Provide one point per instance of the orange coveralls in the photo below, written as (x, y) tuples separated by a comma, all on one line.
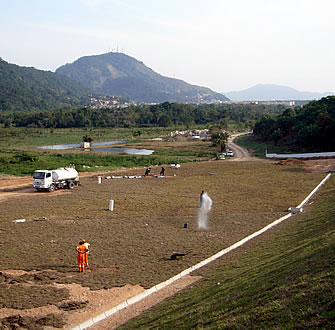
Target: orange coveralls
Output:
[(81, 249), (87, 245)]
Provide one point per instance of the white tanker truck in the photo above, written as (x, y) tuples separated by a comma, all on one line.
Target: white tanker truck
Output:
[(56, 179)]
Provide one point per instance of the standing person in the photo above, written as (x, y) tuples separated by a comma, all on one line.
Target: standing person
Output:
[(81, 249), (201, 198), (87, 245), (162, 171), (147, 171)]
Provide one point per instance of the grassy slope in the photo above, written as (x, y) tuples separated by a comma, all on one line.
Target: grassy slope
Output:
[(284, 279), (258, 147)]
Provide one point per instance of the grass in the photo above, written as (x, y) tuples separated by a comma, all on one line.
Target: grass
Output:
[(25, 163), (247, 141), (29, 137), (146, 225), (18, 155), (258, 148), (133, 244), (284, 280)]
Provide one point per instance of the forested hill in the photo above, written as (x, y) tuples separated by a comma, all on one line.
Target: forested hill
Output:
[(27, 89), (311, 127), (120, 74)]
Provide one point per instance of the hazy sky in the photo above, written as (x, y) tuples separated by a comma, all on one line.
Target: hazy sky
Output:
[(225, 45)]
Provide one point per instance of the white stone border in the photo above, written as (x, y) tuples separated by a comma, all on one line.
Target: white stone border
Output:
[(187, 271)]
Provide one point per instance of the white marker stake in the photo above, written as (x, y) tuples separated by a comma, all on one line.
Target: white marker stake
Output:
[(111, 205)]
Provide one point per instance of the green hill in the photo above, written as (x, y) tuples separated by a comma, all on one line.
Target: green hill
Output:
[(311, 127), (284, 279), (122, 75), (27, 89)]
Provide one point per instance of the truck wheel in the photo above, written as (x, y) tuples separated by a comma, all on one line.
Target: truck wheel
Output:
[(52, 188), (71, 185), (38, 189)]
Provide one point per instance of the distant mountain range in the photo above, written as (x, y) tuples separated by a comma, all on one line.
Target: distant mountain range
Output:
[(115, 75), (122, 75), (26, 89), (269, 92)]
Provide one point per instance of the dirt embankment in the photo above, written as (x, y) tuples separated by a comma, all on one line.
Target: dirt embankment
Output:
[(312, 165)]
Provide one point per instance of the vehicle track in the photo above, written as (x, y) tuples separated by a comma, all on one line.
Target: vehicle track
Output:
[(240, 153)]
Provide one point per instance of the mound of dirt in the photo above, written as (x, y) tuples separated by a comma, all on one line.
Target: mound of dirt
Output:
[(27, 322), (8, 279), (177, 138), (73, 305), (312, 165), (320, 165), (291, 161)]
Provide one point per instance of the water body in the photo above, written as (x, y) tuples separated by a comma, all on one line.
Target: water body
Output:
[(77, 145), (129, 151)]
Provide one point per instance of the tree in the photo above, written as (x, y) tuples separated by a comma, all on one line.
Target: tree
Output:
[(137, 133), (164, 121), (276, 136), (265, 127), (87, 138), (219, 139)]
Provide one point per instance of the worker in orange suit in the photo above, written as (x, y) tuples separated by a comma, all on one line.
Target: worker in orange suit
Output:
[(86, 254), (81, 249)]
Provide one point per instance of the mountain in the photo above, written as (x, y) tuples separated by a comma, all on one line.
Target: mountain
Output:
[(27, 89), (121, 75), (269, 92)]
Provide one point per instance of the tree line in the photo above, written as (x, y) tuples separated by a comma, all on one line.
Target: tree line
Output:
[(159, 115), (311, 127)]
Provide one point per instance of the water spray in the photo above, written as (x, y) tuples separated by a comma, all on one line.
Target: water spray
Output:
[(205, 207)]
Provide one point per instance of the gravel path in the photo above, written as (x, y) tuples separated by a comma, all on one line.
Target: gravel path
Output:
[(240, 153)]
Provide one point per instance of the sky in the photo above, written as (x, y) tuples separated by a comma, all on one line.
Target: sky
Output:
[(226, 45)]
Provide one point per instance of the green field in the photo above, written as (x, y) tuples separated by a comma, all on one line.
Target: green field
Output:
[(19, 155)]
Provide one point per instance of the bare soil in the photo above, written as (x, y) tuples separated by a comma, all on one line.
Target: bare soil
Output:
[(146, 227)]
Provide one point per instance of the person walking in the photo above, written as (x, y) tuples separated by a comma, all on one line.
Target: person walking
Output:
[(147, 171), (81, 249), (162, 171)]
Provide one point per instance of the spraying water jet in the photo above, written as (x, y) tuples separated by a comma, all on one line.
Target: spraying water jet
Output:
[(205, 207)]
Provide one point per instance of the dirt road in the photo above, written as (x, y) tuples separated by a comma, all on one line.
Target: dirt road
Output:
[(240, 153), (12, 186)]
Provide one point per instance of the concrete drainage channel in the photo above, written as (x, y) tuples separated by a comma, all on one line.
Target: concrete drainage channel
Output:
[(155, 288)]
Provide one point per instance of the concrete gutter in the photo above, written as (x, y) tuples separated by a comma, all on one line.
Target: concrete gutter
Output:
[(187, 271)]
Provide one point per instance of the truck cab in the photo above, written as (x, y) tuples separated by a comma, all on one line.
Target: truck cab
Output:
[(42, 180)]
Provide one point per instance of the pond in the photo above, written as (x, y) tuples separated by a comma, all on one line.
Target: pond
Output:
[(129, 151)]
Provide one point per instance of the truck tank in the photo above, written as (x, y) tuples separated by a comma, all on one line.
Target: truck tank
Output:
[(64, 174)]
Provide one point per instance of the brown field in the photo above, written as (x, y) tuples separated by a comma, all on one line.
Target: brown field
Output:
[(130, 246)]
